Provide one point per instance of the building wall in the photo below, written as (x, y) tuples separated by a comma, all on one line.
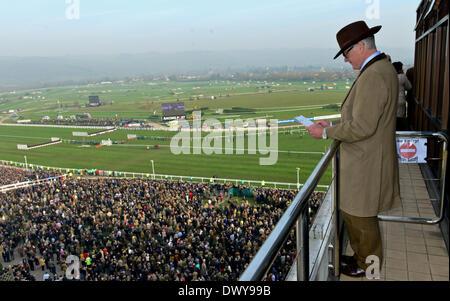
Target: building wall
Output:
[(428, 105)]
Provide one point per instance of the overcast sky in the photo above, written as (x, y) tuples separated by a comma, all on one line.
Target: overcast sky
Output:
[(54, 27)]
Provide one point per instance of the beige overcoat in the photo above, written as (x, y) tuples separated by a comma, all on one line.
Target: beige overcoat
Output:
[(369, 180)]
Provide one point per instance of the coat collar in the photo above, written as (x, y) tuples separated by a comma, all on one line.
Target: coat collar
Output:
[(375, 59)]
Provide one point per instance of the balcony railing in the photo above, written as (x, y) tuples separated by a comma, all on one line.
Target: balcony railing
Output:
[(297, 215)]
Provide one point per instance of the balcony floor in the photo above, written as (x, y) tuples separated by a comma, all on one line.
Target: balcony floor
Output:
[(411, 252)]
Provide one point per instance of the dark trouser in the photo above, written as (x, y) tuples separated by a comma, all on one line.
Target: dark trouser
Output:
[(365, 238)]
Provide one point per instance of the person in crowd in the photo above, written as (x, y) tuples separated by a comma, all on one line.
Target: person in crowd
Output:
[(404, 86), (410, 103)]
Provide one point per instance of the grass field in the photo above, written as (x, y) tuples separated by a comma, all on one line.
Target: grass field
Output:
[(141, 100), (135, 157), (287, 102)]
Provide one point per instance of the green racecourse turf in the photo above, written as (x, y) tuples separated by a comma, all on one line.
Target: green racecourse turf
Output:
[(139, 101), (134, 156)]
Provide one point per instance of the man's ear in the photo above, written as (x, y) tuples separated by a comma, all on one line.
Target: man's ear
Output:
[(361, 45)]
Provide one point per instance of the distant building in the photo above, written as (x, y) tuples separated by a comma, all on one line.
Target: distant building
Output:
[(83, 116), (328, 86), (94, 101), (173, 111)]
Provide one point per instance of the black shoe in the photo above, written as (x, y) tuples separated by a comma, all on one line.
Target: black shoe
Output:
[(348, 260), (353, 271)]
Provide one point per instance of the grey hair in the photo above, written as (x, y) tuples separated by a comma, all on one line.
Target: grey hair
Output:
[(370, 42)]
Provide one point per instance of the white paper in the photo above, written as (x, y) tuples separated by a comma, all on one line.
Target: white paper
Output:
[(303, 120)]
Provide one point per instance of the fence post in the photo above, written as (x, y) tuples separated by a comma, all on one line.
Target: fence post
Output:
[(298, 258), (335, 205), (305, 243)]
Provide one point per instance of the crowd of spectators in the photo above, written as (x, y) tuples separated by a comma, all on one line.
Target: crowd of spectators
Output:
[(138, 229), (12, 175), (282, 199), (16, 273)]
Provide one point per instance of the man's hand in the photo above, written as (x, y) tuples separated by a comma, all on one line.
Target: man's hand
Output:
[(323, 123), (316, 130)]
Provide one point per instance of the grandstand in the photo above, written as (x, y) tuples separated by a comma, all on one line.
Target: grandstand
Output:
[(138, 229), (94, 101)]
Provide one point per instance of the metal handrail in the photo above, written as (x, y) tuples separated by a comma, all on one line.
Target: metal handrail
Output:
[(25, 184), (419, 220), (297, 213), (266, 255)]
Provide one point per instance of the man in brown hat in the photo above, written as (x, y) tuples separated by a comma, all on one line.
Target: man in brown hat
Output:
[(368, 159)]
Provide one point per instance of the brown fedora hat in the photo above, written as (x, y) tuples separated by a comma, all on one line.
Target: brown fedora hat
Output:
[(353, 33)]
